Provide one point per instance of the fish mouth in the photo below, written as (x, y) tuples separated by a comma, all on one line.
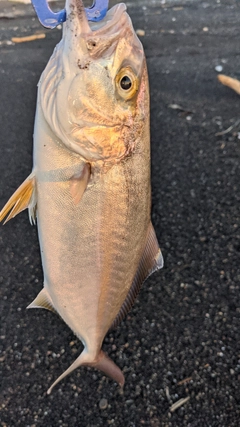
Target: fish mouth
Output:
[(78, 24), (110, 20)]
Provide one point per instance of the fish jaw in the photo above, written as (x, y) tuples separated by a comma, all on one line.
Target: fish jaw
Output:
[(75, 28), (79, 89)]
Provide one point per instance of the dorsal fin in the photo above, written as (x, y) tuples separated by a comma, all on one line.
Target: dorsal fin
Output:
[(43, 300), (151, 261)]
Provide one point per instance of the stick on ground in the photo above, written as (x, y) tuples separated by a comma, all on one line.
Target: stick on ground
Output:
[(230, 82)]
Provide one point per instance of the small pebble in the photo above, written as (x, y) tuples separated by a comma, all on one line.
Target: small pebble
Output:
[(129, 402), (140, 32), (103, 404), (219, 68)]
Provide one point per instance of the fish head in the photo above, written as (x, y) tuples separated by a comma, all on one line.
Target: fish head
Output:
[(94, 91)]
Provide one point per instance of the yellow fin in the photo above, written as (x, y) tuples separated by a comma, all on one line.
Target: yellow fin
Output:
[(19, 200), (43, 300)]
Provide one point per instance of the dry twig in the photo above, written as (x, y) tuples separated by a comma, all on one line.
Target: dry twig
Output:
[(28, 38), (179, 403), (186, 380), (230, 82), (228, 129)]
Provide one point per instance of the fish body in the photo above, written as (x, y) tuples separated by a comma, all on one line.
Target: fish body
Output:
[(90, 185)]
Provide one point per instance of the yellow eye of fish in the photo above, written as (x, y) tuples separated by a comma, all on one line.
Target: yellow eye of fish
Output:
[(127, 83)]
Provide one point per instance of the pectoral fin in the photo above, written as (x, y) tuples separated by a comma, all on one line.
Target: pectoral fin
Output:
[(23, 197), (151, 261), (43, 300), (79, 182)]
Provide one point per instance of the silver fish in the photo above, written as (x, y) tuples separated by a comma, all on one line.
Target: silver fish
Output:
[(90, 185)]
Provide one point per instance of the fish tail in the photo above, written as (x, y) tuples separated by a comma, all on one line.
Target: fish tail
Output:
[(108, 367), (102, 362)]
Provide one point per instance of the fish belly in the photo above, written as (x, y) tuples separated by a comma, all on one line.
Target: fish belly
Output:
[(90, 251)]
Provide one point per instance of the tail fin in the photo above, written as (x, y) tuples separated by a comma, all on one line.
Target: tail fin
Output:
[(101, 362)]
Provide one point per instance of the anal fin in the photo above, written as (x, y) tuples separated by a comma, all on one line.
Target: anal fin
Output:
[(43, 300), (20, 200), (150, 262)]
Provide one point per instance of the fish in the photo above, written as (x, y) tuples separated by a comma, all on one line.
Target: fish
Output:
[(90, 190)]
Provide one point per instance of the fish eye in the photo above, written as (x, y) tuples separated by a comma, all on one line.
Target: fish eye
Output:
[(127, 83)]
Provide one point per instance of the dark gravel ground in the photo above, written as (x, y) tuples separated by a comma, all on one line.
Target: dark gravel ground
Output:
[(182, 337)]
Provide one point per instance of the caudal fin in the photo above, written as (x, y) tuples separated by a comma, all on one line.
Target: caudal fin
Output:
[(102, 362)]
